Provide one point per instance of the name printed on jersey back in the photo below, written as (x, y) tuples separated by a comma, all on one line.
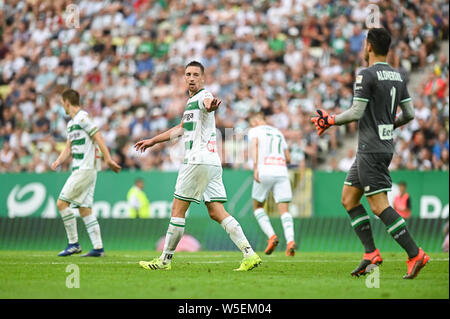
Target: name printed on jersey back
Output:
[(389, 76)]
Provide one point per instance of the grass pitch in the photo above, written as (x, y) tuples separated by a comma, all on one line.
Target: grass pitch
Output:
[(210, 275)]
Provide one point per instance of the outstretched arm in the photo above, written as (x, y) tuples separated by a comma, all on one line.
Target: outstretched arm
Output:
[(211, 104), (174, 132), (352, 114), (323, 121)]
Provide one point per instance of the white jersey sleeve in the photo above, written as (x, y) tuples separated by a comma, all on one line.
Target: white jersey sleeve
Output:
[(87, 124)]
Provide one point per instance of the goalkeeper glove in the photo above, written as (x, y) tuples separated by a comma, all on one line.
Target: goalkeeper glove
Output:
[(323, 121)]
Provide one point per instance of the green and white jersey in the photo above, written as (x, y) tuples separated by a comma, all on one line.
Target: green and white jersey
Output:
[(271, 147), (200, 132), (80, 130)]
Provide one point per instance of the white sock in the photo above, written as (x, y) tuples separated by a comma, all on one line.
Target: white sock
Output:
[(173, 237), (233, 229), (288, 226), (264, 222), (70, 224), (93, 229)]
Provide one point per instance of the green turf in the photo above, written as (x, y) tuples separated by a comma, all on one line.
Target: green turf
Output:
[(38, 274)]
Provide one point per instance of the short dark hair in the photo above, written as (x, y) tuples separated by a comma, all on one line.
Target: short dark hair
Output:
[(380, 39), (197, 64), (254, 114), (72, 96), (403, 183)]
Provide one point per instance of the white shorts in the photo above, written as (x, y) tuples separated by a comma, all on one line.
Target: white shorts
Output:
[(280, 185), (79, 188), (199, 181)]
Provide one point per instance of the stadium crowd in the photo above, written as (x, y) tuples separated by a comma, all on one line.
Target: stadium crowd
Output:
[(284, 58)]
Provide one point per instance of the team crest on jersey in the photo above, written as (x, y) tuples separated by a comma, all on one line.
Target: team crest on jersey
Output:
[(211, 146), (359, 79)]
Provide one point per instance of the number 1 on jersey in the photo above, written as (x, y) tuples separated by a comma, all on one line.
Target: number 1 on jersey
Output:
[(393, 92)]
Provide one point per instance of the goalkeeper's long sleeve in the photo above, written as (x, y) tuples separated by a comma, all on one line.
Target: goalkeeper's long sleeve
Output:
[(406, 115), (352, 114)]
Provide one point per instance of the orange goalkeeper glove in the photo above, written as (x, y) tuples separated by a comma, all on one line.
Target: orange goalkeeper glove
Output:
[(323, 121)]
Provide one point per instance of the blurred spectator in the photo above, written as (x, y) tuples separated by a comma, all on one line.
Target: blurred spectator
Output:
[(284, 58), (346, 162), (6, 156), (402, 201), (138, 203), (435, 86)]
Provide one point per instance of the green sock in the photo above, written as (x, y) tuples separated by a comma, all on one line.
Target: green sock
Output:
[(396, 226), (361, 224)]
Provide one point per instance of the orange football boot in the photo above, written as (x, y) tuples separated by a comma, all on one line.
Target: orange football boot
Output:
[(415, 264), (290, 249), (272, 244), (373, 258)]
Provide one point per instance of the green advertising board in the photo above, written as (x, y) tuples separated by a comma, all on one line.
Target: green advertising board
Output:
[(29, 217), (428, 192), (35, 195)]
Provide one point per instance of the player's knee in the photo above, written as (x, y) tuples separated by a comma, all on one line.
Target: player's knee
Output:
[(377, 208), (217, 212), (214, 216), (61, 205), (257, 204), (348, 202), (344, 201)]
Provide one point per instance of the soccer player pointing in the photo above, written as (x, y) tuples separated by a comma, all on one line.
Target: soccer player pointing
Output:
[(200, 177), (378, 90)]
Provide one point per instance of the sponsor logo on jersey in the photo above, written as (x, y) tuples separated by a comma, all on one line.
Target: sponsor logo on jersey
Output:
[(188, 116), (211, 146), (274, 160)]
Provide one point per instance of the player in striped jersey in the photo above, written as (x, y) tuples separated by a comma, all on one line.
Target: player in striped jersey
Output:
[(200, 177), (83, 137), (270, 153)]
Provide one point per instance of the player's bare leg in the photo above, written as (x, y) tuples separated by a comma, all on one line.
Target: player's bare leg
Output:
[(93, 229), (288, 227), (70, 224), (264, 222), (396, 227), (174, 234), (218, 213), (351, 200)]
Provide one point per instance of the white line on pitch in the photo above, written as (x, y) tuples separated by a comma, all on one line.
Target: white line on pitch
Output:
[(192, 262)]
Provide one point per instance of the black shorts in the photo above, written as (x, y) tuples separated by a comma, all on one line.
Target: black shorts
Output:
[(370, 173)]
